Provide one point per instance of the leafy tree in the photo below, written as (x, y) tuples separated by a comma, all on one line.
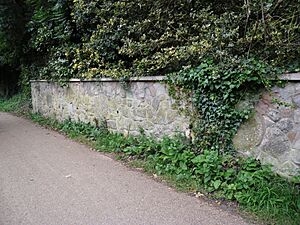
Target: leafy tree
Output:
[(11, 31), (11, 35)]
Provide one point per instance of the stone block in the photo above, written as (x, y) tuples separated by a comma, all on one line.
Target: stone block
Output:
[(162, 112), (285, 125), (148, 97), (296, 100), (150, 114), (152, 90), (70, 108), (286, 112), (155, 103), (292, 136), (275, 142), (134, 133), (296, 143), (266, 158), (123, 93), (161, 89), (111, 124), (288, 168), (128, 102), (262, 108), (285, 94), (49, 100), (274, 115), (268, 122), (295, 156), (297, 87), (140, 94), (171, 116), (141, 112), (297, 116), (266, 98)]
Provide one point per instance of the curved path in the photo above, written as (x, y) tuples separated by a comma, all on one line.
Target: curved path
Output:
[(47, 179)]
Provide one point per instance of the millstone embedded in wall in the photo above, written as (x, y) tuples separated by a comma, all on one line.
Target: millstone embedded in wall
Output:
[(250, 135), (273, 134)]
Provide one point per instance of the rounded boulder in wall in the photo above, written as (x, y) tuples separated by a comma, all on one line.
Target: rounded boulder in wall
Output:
[(250, 134)]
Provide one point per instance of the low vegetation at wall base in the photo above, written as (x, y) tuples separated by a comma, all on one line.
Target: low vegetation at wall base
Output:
[(254, 186), (19, 104)]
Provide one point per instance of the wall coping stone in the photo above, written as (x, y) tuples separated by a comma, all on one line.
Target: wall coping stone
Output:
[(287, 77), (133, 79), (291, 76)]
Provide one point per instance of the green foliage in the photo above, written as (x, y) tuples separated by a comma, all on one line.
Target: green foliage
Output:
[(11, 32), (174, 158), (18, 104), (27, 73), (49, 26), (88, 39), (217, 89), (5, 56)]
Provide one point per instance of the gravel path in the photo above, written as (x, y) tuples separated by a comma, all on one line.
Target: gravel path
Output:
[(48, 179)]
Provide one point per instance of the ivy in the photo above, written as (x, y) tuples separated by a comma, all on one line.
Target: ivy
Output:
[(49, 26), (142, 37), (217, 90)]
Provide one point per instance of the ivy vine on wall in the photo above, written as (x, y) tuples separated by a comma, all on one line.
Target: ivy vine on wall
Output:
[(217, 91)]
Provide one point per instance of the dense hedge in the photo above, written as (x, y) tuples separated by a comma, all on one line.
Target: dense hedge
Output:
[(83, 38)]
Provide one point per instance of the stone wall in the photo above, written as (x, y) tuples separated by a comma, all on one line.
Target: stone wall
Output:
[(125, 107), (273, 133)]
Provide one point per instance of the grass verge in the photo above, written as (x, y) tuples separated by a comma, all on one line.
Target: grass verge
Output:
[(19, 104), (275, 200)]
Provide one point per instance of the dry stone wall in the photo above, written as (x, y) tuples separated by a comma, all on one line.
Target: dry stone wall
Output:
[(126, 107)]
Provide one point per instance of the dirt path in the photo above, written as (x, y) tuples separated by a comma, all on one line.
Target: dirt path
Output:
[(47, 179)]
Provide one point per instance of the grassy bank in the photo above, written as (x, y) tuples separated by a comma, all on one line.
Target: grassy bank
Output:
[(19, 104), (254, 187)]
